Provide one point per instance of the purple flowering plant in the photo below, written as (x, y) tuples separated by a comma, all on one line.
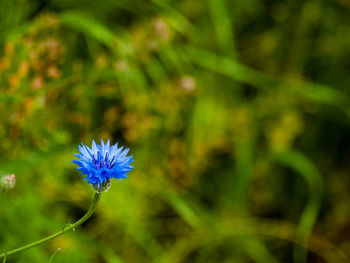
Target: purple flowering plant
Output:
[(103, 162), (100, 164)]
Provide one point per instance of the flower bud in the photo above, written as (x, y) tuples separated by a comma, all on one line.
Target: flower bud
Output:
[(8, 181)]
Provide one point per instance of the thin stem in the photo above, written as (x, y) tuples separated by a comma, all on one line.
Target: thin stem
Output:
[(65, 229)]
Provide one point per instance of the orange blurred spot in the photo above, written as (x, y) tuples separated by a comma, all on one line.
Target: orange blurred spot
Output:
[(38, 82), (23, 69), (27, 105), (14, 81), (9, 48), (53, 72)]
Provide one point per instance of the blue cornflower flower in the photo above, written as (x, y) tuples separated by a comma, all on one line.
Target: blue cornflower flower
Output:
[(103, 162)]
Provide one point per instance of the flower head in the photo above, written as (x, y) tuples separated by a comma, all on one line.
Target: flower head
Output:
[(103, 162), (8, 181)]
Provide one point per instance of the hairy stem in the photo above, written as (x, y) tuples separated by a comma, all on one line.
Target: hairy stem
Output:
[(65, 229)]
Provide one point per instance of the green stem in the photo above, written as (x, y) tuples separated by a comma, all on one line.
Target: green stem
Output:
[(65, 229)]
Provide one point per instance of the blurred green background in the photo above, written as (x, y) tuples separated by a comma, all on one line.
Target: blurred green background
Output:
[(237, 113)]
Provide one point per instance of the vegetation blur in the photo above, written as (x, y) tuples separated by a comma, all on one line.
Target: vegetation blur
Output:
[(237, 114)]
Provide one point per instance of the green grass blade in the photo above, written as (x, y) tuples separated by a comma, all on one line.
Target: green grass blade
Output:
[(54, 255), (300, 163)]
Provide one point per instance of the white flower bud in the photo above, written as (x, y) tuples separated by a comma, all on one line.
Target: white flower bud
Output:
[(8, 181)]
